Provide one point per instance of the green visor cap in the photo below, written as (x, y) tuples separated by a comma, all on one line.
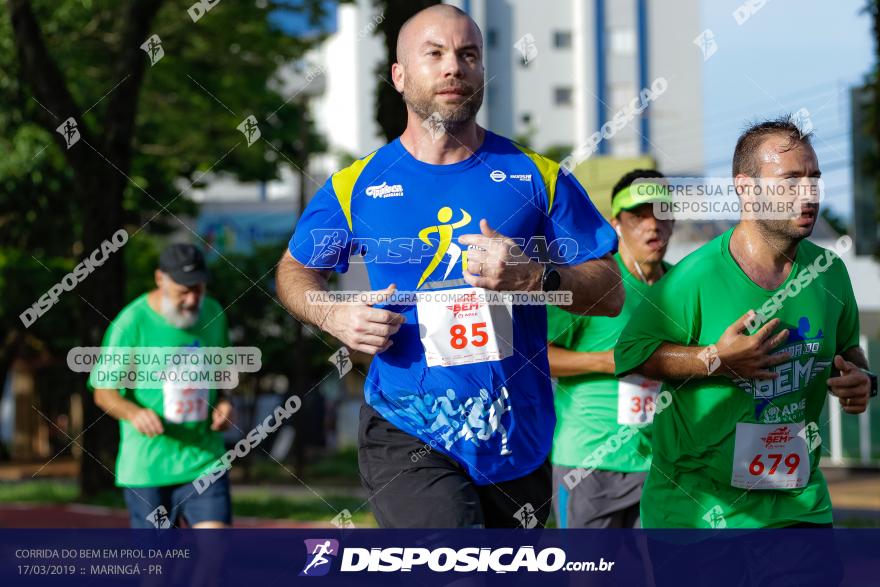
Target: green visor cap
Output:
[(637, 194)]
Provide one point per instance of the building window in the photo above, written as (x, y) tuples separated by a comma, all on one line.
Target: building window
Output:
[(562, 39), (623, 41), (491, 38), (621, 95), (562, 96), (526, 118)]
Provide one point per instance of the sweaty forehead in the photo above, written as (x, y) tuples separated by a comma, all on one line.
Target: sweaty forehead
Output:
[(436, 27), (780, 154)]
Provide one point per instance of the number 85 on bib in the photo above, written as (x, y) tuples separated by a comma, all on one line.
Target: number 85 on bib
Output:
[(459, 327)]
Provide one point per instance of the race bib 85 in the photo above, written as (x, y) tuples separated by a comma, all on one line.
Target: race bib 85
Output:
[(458, 327)]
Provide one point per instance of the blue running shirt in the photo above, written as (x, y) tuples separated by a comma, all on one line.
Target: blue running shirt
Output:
[(475, 383)]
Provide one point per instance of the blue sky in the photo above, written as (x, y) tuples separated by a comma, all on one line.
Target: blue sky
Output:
[(790, 54), (295, 22)]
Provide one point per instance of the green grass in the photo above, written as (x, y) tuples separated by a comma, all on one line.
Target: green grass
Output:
[(39, 491), (258, 504), (338, 466), (262, 504), (60, 492), (336, 469)]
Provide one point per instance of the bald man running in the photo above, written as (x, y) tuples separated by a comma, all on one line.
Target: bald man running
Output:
[(459, 419)]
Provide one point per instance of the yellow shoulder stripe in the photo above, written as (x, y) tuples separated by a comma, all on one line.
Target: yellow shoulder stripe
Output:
[(343, 184), (548, 169)]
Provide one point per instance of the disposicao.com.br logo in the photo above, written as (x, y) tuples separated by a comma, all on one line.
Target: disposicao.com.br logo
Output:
[(321, 553)]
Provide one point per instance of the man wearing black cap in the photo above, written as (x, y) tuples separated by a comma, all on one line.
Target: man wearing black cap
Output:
[(169, 434)]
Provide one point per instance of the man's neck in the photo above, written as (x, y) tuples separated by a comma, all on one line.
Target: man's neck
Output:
[(766, 258), (437, 146), (648, 272), (154, 300)]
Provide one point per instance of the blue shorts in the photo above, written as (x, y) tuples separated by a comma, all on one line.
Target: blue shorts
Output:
[(163, 506)]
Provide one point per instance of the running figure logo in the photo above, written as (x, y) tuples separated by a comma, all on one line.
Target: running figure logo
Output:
[(159, 517), (341, 359), (526, 516), (328, 248), (715, 518), (320, 553), (153, 48), (810, 433), (250, 129), (445, 247), (447, 420), (69, 131)]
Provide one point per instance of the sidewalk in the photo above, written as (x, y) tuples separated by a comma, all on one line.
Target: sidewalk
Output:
[(61, 467), (854, 490), (855, 496)]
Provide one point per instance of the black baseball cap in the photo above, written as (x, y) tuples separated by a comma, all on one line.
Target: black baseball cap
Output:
[(185, 264)]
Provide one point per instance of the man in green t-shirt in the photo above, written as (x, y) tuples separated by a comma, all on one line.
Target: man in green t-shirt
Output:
[(603, 424), (746, 331), (169, 436)]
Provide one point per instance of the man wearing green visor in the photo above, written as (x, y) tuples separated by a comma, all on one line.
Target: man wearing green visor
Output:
[(603, 424)]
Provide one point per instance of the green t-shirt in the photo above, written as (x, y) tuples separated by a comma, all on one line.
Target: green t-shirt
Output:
[(586, 405), (691, 483), (186, 449)]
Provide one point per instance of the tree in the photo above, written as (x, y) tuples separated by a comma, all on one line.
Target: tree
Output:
[(145, 126), (390, 109)]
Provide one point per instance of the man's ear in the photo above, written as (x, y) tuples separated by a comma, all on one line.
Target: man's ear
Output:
[(158, 276), (397, 76), (744, 185)]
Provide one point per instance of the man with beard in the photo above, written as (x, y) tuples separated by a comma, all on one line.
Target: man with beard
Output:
[(750, 331), (458, 419), (592, 405), (170, 435)]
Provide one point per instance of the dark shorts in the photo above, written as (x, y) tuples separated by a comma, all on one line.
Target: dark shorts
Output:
[(178, 501), (603, 499), (413, 486)]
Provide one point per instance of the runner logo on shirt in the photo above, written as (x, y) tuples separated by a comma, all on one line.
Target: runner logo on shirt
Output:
[(446, 247), (328, 248), (476, 420)]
